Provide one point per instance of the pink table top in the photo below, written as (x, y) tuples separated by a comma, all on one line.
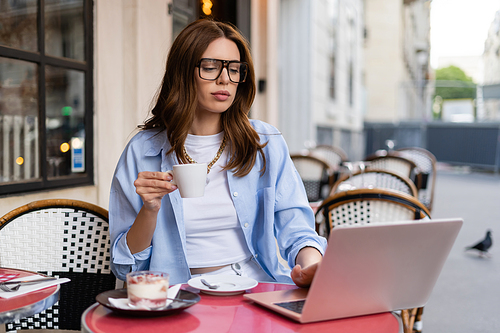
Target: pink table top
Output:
[(28, 304), (230, 314)]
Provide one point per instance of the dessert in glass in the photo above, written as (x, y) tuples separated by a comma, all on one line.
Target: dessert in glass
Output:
[(147, 289)]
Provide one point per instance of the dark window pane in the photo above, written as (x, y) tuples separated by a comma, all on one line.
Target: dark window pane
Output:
[(65, 109), (18, 24), (44, 113), (64, 29), (183, 12), (19, 156)]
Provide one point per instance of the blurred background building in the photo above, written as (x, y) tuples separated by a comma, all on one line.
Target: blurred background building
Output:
[(397, 50), (321, 90), (78, 76), (491, 74)]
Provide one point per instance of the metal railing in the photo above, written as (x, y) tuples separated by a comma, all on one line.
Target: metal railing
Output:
[(471, 144)]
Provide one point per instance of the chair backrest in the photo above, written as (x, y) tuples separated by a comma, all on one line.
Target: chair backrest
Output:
[(314, 174), (64, 238), (370, 205), (332, 155), (393, 163), (375, 179), (426, 163)]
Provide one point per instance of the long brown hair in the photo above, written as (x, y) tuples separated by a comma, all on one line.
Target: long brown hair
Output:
[(177, 97)]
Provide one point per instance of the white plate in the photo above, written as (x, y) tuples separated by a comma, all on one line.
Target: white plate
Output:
[(228, 284)]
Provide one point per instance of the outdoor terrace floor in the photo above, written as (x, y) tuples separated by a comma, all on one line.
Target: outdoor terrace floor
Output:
[(466, 297)]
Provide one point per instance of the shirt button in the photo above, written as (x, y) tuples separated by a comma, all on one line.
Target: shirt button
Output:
[(235, 194), (246, 225)]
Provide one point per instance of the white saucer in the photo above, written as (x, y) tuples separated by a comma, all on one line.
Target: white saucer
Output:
[(228, 284)]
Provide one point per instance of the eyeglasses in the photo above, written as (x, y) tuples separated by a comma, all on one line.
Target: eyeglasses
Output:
[(211, 69)]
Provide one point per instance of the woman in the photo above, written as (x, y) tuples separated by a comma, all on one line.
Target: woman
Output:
[(254, 198)]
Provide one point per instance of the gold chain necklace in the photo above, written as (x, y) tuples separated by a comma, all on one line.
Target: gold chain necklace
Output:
[(216, 158)]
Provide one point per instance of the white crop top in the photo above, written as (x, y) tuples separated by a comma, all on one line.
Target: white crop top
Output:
[(213, 233)]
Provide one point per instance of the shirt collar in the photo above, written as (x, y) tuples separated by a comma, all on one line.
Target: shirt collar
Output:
[(156, 143)]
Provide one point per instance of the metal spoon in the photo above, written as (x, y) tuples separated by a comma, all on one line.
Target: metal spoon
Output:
[(9, 289), (209, 285), (182, 300), (18, 284)]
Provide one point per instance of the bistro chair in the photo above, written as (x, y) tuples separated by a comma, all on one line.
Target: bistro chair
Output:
[(394, 163), (375, 178), (373, 205), (426, 163), (314, 174), (63, 238), (370, 205), (332, 155)]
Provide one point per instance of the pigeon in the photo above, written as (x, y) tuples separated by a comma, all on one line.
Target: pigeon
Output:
[(483, 245)]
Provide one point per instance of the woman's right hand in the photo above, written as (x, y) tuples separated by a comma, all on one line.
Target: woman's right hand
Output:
[(152, 187)]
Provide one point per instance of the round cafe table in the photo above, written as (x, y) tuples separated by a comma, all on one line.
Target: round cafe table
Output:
[(26, 305), (230, 314)]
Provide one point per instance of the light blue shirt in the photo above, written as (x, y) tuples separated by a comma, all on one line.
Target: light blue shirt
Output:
[(270, 207)]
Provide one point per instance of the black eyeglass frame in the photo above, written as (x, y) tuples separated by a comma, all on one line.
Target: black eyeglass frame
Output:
[(225, 64)]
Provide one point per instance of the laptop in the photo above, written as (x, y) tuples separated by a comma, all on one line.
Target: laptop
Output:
[(369, 269)]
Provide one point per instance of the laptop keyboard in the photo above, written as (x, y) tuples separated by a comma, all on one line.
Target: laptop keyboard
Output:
[(295, 306)]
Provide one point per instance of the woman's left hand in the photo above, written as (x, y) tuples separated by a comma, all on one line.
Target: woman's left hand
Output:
[(303, 277)]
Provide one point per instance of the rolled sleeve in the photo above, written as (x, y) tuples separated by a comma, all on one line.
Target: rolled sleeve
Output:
[(295, 251), (124, 261)]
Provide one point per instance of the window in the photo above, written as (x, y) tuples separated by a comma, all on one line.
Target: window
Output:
[(183, 12), (46, 129), (352, 59), (333, 11), (236, 12)]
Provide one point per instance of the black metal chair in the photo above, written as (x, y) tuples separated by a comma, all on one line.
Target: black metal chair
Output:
[(63, 238)]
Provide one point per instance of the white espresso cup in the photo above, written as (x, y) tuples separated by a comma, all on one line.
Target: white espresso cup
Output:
[(190, 179)]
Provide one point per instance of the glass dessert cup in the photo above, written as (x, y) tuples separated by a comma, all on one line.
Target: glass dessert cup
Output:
[(147, 289)]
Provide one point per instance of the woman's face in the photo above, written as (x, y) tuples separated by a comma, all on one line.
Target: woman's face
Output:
[(218, 95)]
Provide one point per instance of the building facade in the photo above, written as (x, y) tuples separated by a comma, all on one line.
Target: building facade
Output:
[(396, 59), (321, 74), (491, 77)]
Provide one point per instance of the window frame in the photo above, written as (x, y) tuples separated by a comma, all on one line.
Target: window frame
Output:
[(86, 67)]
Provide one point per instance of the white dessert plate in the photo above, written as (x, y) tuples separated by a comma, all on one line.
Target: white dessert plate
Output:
[(228, 284)]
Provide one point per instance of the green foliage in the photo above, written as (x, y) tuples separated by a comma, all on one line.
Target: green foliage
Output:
[(452, 73), (453, 83)]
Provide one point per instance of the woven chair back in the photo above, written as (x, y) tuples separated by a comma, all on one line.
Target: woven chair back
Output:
[(314, 174), (375, 179), (396, 164), (332, 155), (63, 238), (370, 205), (426, 164)]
